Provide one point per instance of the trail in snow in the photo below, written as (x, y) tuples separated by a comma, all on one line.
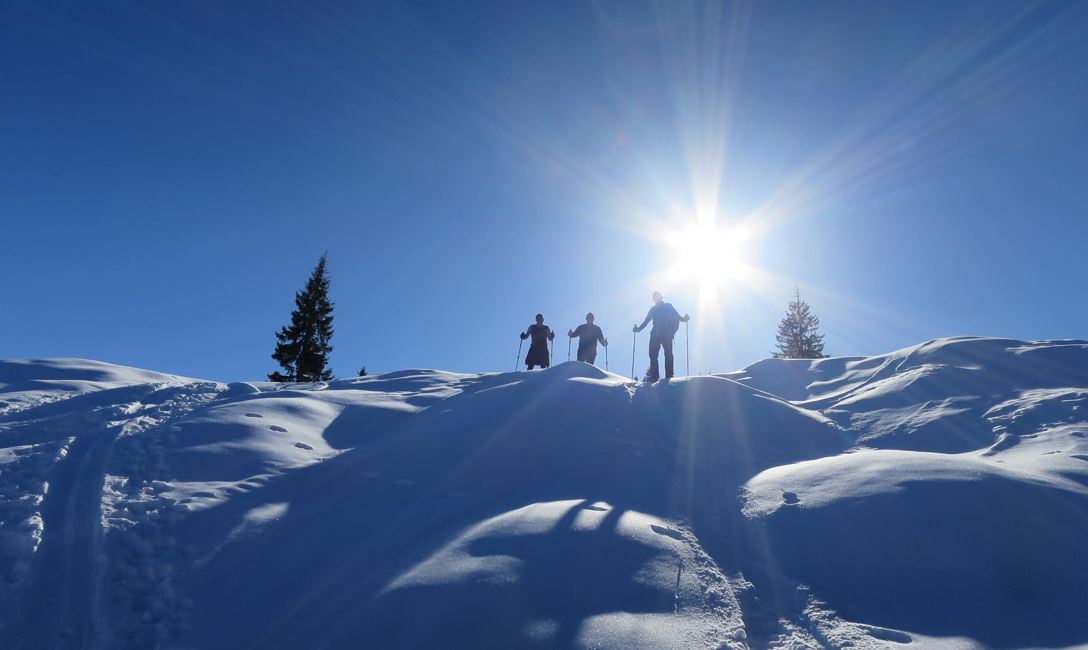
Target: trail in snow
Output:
[(60, 605)]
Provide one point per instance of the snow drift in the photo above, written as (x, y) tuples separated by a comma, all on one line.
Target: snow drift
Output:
[(936, 496)]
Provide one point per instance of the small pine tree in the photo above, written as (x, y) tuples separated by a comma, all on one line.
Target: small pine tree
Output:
[(303, 347), (797, 333)]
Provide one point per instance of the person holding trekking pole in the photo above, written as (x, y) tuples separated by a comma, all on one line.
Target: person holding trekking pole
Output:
[(539, 335), (588, 336), (666, 321)]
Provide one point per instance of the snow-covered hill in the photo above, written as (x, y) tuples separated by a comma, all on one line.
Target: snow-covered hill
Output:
[(932, 497)]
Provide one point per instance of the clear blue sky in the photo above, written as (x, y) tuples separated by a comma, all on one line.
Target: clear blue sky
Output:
[(170, 173)]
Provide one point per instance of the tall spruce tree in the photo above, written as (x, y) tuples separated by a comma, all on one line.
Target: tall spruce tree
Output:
[(303, 347), (798, 336)]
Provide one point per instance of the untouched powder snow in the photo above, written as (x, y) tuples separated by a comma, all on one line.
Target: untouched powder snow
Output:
[(934, 497)]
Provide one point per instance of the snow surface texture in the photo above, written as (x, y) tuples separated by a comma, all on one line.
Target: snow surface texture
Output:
[(932, 497)]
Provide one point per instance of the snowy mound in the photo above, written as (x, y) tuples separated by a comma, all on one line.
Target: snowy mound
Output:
[(936, 496)]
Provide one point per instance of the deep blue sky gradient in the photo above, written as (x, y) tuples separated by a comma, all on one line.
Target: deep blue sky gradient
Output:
[(170, 173)]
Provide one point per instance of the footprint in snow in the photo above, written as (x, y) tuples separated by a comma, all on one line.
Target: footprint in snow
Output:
[(790, 498), (303, 445), (667, 532), (254, 415), (278, 428)]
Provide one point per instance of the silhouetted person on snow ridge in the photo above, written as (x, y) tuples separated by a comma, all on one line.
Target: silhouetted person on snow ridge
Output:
[(538, 349), (588, 335), (666, 321)]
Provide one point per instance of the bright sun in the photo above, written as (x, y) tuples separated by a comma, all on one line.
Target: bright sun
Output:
[(709, 255)]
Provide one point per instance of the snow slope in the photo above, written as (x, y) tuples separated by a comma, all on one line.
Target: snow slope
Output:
[(932, 497)]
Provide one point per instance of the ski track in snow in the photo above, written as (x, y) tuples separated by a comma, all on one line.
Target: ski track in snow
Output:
[(65, 595), (775, 507), (61, 605)]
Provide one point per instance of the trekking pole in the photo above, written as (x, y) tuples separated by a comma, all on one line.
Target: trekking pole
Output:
[(569, 339), (606, 358), (687, 345), (634, 335), (517, 361)]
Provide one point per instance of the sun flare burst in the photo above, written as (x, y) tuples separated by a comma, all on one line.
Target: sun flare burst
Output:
[(710, 256)]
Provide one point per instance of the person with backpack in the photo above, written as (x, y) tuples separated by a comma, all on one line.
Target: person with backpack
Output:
[(588, 335), (538, 347), (666, 321)]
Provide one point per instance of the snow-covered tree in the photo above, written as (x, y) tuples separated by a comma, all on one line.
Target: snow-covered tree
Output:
[(303, 347), (798, 336)]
